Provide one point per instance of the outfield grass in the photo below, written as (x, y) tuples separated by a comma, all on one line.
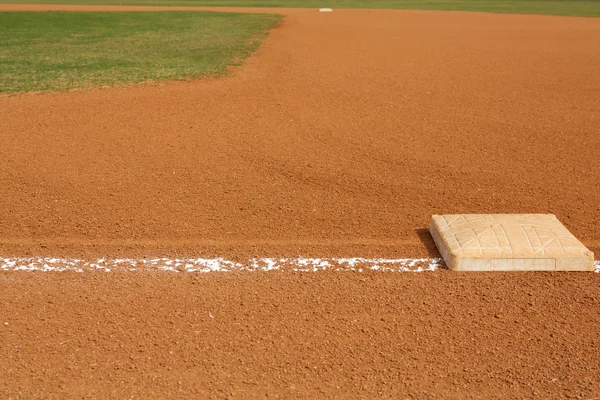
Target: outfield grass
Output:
[(588, 8), (43, 51)]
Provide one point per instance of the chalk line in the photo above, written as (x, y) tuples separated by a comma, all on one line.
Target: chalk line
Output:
[(301, 264), (203, 265)]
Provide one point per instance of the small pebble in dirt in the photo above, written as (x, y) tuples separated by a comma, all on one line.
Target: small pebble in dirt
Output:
[(6, 324)]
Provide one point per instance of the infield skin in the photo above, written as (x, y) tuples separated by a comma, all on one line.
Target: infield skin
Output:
[(329, 150)]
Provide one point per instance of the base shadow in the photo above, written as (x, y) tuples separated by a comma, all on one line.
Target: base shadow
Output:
[(428, 243)]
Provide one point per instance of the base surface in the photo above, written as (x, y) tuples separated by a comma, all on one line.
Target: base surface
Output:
[(508, 242)]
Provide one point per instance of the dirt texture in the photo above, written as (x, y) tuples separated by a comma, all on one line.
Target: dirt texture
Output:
[(341, 137), (314, 335)]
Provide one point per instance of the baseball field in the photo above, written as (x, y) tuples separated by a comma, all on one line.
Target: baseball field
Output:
[(216, 202)]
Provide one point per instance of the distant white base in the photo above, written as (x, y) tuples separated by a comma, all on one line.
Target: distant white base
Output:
[(325, 10)]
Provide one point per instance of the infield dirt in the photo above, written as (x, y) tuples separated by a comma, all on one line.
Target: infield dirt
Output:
[(341, 137)]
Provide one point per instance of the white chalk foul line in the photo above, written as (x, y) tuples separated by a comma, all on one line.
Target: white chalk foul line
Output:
[(300, 264)]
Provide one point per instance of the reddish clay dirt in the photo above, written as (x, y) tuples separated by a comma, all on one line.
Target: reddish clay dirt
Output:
[(340, 137), (323, 335)]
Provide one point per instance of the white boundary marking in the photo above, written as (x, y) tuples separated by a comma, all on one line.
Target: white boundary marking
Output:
[(298, 264)]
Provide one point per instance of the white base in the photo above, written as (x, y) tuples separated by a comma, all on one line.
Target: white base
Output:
[(508, 242)]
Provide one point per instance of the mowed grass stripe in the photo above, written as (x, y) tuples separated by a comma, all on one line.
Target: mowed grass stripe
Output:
[(590, 8), (55, 51)]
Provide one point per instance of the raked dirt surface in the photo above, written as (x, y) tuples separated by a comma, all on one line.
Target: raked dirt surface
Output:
[(338, 139)]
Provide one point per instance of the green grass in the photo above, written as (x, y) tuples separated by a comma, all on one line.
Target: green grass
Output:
[(588, 8), (49, 51)]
